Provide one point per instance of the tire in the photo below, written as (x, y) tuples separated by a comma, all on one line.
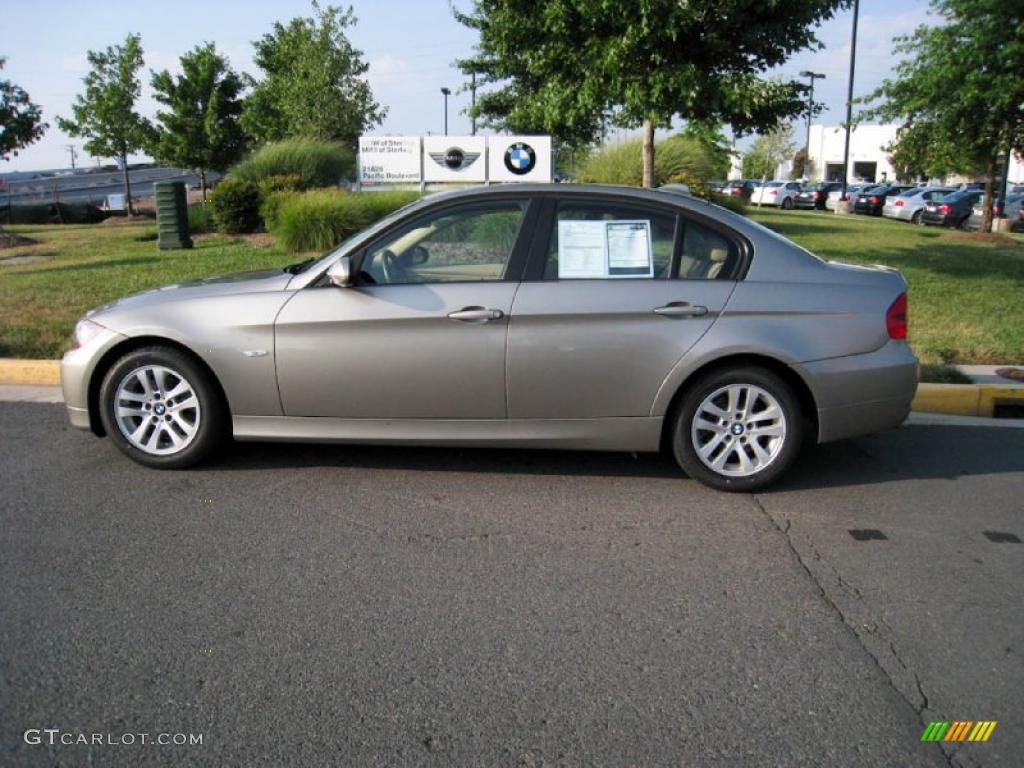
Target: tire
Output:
[(171, 429), (787, 204), (779, 440), (916, 218)]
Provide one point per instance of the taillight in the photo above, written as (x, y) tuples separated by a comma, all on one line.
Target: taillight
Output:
[(944, 209), (996, 210), (873, 200), (898, 203), (816, 195), (896, 318), (773, 191)]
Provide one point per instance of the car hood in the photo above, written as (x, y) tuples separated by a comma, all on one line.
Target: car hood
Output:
[(242, 282)]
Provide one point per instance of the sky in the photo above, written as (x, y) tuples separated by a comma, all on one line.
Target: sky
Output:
[(409, 44)]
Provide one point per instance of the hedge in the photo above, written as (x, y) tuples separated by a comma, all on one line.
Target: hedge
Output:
[(307, 163), (320, 219)]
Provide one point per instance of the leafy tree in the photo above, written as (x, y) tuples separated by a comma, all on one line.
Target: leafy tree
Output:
[(21, 121), (105, 114), (768, 151), (802, 165), (313, 85), (959, 92), (569, 67), (200, 128)]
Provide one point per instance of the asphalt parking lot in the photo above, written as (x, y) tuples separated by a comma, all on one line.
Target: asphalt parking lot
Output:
[(332, 605)]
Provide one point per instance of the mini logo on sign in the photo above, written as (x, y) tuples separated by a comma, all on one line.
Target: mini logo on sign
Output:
[(520, 158), (454, 158)]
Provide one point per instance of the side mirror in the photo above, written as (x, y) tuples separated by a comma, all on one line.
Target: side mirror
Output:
[(340, 272)]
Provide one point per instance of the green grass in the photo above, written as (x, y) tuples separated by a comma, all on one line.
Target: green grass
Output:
[(966, 295), (83, 266)]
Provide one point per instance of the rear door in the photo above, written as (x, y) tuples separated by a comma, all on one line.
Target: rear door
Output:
[(616, 292)]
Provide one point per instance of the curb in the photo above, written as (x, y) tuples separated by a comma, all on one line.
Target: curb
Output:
[(37, 373), (965, 399), (953, 399)]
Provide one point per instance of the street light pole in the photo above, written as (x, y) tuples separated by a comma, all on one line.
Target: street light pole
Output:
[(810, 115), (447, 92), (849, 99)]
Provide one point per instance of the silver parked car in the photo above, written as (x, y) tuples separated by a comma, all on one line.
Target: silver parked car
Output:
[(852, 191), (777, 193), (547, 316), (909, 205)]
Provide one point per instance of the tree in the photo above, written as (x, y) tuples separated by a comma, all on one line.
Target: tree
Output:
[(768, 151), (21, 121), (802, 165), (959, 92), (200, 128), (571, 67), (313, 85), (105, 114)]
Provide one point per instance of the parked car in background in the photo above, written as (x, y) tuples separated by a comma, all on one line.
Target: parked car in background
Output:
[(740, 188), (813, 196), (852, 190), (1018, 223), (501, 316), (778, 193), (718, 187), (1010, 211), (872, 200), (909, 204), (951, 210)]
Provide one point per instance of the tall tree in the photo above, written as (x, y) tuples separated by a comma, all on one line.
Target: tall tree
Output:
[(313, 84), (768, 151), (959, 93), (199, 129), (105, 114), (571, 66), (21, 121)]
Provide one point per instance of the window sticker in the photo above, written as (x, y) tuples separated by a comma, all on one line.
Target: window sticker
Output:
[(599, 249)]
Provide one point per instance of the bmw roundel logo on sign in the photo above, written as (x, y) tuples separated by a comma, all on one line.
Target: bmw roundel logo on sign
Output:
[(520, 158)]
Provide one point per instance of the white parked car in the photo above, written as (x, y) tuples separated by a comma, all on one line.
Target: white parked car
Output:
[(780, 193), (852, 191), (909, 205)]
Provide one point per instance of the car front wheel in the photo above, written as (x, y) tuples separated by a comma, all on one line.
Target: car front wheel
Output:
[(738, 429), (162, 409)]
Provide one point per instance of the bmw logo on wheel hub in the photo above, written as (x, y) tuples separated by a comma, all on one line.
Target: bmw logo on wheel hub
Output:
[(520, 158)]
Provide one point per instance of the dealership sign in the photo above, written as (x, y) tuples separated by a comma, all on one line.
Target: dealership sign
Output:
[(466, 159)]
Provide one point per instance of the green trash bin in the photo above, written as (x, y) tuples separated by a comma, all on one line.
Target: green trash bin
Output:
[(171, 215)]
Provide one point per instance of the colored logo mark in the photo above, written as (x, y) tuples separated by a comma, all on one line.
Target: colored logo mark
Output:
[(520, 158), (959, 730)]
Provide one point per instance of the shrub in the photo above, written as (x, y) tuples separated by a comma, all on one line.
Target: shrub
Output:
[(200, 218), (734, 204), (320, 219), (51, 213), (236, 206), (311, 163), (676, 159)]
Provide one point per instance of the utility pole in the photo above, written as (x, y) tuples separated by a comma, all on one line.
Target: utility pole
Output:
[(849, 100), (472, 103), (71, 148), (447, 92), (810, 116)]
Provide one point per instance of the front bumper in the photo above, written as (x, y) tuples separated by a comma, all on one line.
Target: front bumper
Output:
[(76, 371), (861, 394)]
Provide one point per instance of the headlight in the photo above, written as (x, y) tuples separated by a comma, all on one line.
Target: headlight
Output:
[(86, 331)]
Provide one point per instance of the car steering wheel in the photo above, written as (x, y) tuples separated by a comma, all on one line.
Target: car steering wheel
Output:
[(389, 265)]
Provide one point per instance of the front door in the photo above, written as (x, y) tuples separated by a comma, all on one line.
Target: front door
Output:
[(421, 334), (601, 345)]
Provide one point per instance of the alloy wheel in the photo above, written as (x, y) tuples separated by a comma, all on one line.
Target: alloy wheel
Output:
[(157, 410), (738, 430)]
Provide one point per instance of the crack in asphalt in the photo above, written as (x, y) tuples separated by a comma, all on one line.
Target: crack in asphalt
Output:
[(950, 757)]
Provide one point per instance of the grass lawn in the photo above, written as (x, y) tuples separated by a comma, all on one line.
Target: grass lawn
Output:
[(966, 297), (81, 266)]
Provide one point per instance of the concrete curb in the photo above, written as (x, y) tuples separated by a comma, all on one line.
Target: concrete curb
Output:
[(36, 373), (965, 399), (954, 399)]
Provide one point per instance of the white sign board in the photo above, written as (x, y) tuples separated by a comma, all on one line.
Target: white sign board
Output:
[(455, 158), (595, 249), (519, 158), (389, 159)]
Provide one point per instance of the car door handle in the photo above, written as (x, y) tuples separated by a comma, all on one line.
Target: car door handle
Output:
[(681, 309), (476, 314)]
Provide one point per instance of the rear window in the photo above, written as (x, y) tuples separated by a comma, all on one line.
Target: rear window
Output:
[(773, 184), (912, 192)]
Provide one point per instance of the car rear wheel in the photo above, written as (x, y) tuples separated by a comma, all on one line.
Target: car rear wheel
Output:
[(916, 218), (787, 204), (738, 429), (162, 409)]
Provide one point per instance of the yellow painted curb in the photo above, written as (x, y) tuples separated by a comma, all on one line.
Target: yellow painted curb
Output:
[(35, 373), (965, 399)]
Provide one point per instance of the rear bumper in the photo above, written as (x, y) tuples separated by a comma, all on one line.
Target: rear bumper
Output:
[(861, 394), (937, 220), (903, 214)]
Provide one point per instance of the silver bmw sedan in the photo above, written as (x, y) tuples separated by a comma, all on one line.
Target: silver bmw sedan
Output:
[(535, 316)]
